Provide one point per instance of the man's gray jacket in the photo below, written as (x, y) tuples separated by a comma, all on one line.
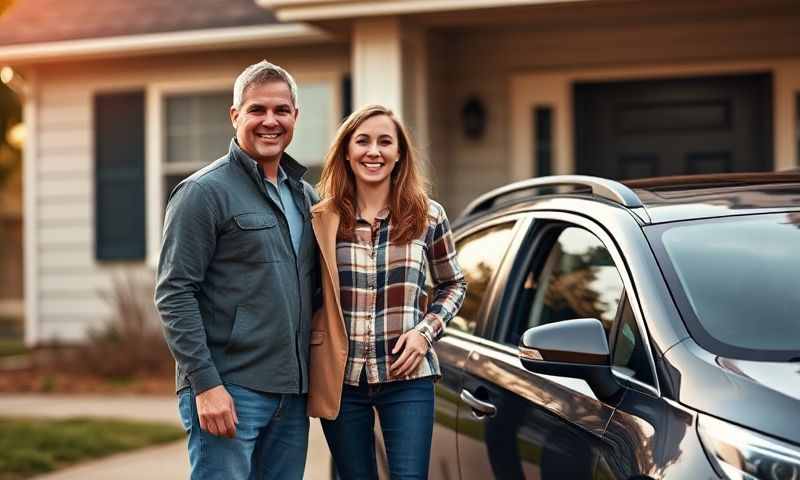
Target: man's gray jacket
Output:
[(235, 300)]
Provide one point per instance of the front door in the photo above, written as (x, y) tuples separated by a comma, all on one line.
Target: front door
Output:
[(647, 128)]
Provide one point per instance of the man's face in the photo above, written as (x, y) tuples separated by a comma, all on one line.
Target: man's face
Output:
[(265, 122)]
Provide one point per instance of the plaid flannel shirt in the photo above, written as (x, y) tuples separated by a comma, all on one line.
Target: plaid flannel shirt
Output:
[(383, 292)]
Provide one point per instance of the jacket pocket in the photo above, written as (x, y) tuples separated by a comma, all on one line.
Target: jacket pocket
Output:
[(255, 238), (255, 221), (246, 334)]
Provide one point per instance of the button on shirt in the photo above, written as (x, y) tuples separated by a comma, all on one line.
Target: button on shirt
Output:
[(282, 195), (383, 292)]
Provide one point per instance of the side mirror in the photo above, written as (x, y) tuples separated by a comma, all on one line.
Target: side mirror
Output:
[(571, 348)]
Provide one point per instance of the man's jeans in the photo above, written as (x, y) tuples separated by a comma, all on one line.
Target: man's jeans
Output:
[(271, 438), (405, 409)]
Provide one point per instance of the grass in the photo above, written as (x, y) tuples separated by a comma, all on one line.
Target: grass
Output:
[(30, 447), (12, 347)]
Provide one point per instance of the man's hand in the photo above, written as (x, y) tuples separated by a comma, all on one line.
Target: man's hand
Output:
[(414, 347), (216, 412)]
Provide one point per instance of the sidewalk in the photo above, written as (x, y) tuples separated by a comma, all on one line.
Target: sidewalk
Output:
[(166, 462)]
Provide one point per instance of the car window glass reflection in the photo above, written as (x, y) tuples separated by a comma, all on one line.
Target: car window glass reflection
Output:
[(479, 255), (630, 355), (578, 280)]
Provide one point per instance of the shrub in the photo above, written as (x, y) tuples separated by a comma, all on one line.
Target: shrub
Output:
[(130, 344)]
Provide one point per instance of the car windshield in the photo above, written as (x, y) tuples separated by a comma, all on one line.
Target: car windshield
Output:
[(737, 282)]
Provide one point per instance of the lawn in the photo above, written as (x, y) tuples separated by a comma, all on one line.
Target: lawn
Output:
[(9, 347), (30, 447)]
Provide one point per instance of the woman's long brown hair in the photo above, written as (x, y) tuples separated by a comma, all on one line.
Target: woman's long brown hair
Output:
[(408, 200)]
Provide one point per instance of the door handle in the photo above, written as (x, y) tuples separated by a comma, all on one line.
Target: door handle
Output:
[(485, 408)]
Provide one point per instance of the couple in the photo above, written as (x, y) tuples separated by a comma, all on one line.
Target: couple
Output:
[(246, 248)]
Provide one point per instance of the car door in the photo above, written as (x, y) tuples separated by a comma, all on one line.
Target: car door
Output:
[(646, 435), (513, 423), (480, 251)]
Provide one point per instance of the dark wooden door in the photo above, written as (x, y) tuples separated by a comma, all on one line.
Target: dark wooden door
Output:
[(646, 128)]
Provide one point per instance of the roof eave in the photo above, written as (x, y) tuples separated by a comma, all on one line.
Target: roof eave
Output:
[(156, 43), (316, 10)]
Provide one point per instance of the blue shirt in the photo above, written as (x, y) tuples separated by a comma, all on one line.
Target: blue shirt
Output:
[(282, 195)]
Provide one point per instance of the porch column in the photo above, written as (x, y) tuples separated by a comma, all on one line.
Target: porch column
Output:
[(378, 63)]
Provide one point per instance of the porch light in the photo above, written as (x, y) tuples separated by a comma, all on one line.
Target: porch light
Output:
[(6, 74), (473, 118), (16, 136), (14, 81)]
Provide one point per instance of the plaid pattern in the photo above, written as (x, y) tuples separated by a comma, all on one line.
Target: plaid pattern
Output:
[(383, 292)]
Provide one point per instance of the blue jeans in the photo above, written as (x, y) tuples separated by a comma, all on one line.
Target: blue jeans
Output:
[(405, 410), (271, 438)]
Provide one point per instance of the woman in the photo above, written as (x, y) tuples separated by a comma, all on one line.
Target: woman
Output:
[(379, 236)]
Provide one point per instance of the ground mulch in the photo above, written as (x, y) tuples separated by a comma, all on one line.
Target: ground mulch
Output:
[(104, 368), (32, 381)]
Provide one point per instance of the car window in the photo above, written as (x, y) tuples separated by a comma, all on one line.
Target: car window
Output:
[(578, 279), (630, 356), (479, 255), (735, 282)]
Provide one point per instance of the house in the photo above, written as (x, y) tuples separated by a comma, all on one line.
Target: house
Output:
[(124, 99)]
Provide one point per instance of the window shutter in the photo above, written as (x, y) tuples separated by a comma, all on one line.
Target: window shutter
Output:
[(347, 95), (119, 176)]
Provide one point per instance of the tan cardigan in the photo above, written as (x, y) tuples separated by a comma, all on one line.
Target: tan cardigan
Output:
[(329, 343)]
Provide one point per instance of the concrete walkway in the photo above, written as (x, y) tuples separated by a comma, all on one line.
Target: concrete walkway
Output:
[(167, 462)]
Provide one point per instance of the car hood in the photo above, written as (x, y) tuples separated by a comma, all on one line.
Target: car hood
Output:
[(781, 377), (762, 396)]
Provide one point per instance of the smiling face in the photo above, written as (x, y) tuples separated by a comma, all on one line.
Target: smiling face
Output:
[(265, 122), (373, 150)]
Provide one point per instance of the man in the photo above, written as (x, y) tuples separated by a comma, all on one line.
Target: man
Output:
[(236, 275)]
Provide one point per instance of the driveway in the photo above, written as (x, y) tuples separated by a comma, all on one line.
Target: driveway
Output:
[(166, 462)]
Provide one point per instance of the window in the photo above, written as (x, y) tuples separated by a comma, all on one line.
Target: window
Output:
[(630, 356), (198, 130), (543, 128), (577, 279), (479, 255), (735, 281)]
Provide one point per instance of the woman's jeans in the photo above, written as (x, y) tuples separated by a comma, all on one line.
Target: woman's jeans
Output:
[(405, 411), (271, 438)]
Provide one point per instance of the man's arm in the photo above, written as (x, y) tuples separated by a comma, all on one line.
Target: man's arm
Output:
[(188, 244)]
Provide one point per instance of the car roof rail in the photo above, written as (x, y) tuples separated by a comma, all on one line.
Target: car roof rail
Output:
[(601, 187), (715, 179)]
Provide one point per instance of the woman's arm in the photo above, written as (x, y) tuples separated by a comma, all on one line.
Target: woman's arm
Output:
[(449, 285)]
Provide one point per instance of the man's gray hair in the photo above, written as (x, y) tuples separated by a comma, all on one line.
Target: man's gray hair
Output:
[(259, 74)]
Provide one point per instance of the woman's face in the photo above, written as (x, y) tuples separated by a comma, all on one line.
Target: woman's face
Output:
[(373, 150)]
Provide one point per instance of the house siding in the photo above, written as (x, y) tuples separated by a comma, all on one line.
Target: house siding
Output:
[(71, 288), (481, 64)]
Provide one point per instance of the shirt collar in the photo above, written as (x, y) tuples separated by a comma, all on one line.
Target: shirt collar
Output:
[(282, 177), (292, 168), (381, 215)]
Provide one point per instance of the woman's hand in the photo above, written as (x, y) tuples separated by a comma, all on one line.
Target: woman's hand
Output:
[(414, 347)]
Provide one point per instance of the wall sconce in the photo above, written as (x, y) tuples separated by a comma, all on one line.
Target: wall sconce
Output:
[(473, 118)]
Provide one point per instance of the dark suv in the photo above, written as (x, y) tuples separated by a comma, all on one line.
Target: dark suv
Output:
[(625, 331)]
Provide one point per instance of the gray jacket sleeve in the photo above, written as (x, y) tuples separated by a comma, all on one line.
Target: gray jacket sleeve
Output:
[(188, 244)]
